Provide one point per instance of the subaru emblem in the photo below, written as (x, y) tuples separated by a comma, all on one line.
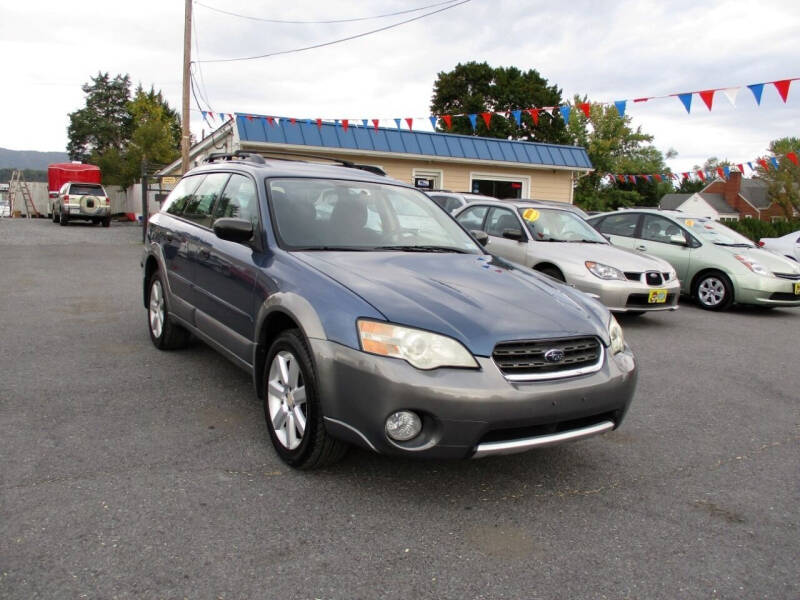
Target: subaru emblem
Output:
[(556, 355)]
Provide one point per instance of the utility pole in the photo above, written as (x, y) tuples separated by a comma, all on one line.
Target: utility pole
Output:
[(187, 61)]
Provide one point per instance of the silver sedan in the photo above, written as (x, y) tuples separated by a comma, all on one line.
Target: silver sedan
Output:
[(559, 243)]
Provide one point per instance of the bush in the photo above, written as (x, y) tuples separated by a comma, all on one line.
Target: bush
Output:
[(756, 229)]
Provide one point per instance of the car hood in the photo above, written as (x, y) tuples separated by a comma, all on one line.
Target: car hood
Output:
[(613, 256), (477, 299), (770, 260)]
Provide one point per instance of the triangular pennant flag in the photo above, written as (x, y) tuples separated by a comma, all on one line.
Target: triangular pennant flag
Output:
[(474, 120), (221, 116), (250, 118), (410, 121), (336, 122), (517, 117), (487, 118), (375, 123), (649, 178), (621, 178), (534, 112), (633, 178), (230, 116), (203, 113), (433, 122), (720, 173), (726, 171), (364, 123), (685, 175), (740, 166), (792, 157), (701, 175), (763, 163), (345, 124), (397, 122), (783, 88), (319, 123), (641, 99), (751, 166), (586, 108), (612, 178), (448, 120), (774, 162), (276, 120), (687, 101), (620, 104), (731, 94), (308, 121), (757, 89), (292, 120), (657, 176), (271, 121), (707, 97), (565, 112)]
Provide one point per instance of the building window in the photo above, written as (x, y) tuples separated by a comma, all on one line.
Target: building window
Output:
[(728, 219), (748, 216), (427, 179), (777, 219), (500, 186)]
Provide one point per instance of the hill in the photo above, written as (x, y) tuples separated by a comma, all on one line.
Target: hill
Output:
[(29, 159)]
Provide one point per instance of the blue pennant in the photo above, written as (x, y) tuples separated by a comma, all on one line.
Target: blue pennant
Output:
[(565, 112), (687, 101), (757, 89), (397, 122), (751, 166), (433, 122), (365, 123), (727, 171), (474, 120), (774, 162), (308, 122), (517, 116), (620, 104)]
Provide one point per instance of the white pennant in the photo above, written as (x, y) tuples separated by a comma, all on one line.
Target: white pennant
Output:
[(731, 94)]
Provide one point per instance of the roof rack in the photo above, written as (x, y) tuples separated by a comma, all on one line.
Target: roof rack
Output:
[(340, 161), (239, 154)]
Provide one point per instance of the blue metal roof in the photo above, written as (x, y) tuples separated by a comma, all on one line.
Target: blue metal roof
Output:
[(255, 128)]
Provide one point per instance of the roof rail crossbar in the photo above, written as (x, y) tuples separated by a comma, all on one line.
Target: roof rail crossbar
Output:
[(240, 154), (340, 161)]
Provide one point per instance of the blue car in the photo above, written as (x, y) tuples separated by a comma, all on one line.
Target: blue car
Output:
[(367, 316)]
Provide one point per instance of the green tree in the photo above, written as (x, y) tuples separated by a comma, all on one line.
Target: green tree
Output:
[(475, 88), (105, 122), (783, 184), (615, 147)]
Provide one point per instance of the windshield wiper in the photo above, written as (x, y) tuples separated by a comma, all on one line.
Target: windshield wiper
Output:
[(737, 245), (586, 242), (331, 248), (424, 249)]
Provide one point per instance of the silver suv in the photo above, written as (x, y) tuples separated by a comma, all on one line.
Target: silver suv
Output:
[(78, 200)]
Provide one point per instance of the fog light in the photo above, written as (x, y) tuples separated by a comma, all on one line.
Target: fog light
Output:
[(403, 425)]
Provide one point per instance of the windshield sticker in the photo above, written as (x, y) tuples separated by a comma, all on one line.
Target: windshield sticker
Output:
[(530, 214), (689, 223)]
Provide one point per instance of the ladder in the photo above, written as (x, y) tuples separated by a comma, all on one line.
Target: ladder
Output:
[(18, 185)]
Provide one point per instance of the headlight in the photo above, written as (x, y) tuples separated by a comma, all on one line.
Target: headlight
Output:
[(421, 349), (604, 271), (754, 266), (615, 333)]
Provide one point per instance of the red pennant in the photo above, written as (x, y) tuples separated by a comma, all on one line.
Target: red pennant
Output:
[(707, 97), (250, 118), (701, 175), (319, 123), (741, 168), (621, 178), (375, 123), (792, 157), (641, 99), (657, 176), (345, 124), (487, 118), (783, 88), (763, 163), (586, 108), (721, 173), (685, 175), (230, 116), (633, 178), (448, 120), (410, 121), (534, 112), (271, 121), (293, 121)]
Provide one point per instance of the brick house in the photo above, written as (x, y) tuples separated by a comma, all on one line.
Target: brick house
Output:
[(732, 199)]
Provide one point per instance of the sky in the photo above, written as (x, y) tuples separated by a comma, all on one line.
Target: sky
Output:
[(606, 51)]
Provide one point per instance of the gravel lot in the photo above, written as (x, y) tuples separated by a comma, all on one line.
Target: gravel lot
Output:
[(133, 473)]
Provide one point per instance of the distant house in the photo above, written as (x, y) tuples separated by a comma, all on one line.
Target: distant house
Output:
[(728, 200)]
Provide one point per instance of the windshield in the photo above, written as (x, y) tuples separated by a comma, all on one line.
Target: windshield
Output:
[(323, 214), (552, 225), (716, 233)]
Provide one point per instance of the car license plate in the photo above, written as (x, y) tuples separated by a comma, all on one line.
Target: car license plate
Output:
[(75, 210), (797, 289), (657, 297)]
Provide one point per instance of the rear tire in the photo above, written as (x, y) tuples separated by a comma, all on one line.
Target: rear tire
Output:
[(107, 222), (63, 219), (164, 334), (713, 291), (292, 408)]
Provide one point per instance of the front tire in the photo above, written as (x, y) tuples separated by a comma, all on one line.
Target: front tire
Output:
[(292, 408), (713, 291), (164, 334), (107, 222), (552, 272)]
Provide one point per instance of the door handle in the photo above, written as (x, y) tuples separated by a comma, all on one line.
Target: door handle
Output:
[(642, 248)]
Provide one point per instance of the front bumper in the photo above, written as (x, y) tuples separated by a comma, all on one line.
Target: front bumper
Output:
[(767, 291), (463, 410), (624, 296)]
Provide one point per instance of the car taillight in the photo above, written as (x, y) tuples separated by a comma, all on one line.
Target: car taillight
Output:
[(760, 244), (66, 198), (108, 201)]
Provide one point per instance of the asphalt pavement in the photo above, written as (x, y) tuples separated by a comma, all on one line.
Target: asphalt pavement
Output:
[(133, 473)]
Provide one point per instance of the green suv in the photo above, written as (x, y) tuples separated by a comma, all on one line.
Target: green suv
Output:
[(715, 265)]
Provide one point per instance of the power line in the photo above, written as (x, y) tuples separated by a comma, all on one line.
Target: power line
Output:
[(346, 39), (288, 22), (200, 88)]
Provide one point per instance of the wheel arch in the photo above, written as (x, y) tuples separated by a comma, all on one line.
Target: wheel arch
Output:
[(544, 265), (707, 271)]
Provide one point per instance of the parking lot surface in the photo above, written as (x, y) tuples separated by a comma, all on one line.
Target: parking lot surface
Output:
[(133, 473)]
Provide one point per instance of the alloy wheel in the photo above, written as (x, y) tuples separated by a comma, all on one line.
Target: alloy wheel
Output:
[(286, 400), (711, 291), (156, 309)]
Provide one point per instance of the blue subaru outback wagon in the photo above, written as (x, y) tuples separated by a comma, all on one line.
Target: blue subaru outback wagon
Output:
[(366, 315)]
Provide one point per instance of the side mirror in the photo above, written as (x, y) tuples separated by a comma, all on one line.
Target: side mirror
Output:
[(513, 234), (677, 239), (233, 230), (480, 236)]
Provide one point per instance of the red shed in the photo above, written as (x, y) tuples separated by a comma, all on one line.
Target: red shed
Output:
[(60, 173)]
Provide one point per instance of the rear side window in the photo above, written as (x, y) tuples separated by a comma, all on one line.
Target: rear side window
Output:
[(499, 220), (624, 224), (472, 218), (177, 199), (86, 189), (201, 203), (239, 200), (446, 202)]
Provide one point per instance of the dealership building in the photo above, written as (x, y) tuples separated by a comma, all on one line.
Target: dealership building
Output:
[(429, 160)]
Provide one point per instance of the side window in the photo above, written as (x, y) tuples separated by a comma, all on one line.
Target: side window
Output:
[(201, 203), (441, 201), (239, 200), (623, 224), (659, 229), (499, 220), (178, 197), (472, 218)]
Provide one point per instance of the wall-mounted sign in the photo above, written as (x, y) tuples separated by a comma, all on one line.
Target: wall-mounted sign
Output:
[(423, 182)]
